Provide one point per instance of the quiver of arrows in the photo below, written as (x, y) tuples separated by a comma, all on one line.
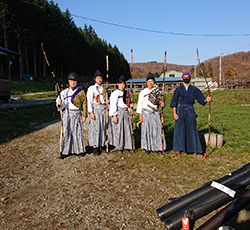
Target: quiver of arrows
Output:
[(155, 96)]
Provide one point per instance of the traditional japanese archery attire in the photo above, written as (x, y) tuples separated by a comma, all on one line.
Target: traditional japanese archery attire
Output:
[(186, 137), (151, 131), (96, 104), (120, 134), (74, 107)]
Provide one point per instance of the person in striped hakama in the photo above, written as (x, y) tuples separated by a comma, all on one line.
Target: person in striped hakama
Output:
[(120, 128), (96, 97), (186, 137), (149, 116), (73, 102)]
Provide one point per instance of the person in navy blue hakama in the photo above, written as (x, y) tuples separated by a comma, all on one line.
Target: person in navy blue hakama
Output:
[(186, 137)]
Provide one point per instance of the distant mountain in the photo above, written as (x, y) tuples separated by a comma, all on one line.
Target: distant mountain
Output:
[(240, 61)]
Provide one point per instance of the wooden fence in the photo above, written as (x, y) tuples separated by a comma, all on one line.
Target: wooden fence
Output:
[(169, 87)]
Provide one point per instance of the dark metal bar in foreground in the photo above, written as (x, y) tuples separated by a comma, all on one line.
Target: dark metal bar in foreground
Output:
[(209, 203), (227, 213), (173, 207)]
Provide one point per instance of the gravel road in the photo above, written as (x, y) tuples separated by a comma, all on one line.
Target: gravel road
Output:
[(40, 191)]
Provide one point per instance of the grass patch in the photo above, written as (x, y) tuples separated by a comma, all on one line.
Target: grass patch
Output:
[(17, 122), (24, 87), (229, 116), (45, 95)]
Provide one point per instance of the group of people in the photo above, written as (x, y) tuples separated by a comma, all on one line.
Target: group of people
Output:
[(117, 130)]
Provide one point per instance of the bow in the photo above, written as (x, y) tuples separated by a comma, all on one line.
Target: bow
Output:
[(58, 91), (209, 103)]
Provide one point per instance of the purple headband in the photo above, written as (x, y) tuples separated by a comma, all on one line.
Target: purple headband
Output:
[(97, 74), (150, 76), (121, 79), (186, 73)]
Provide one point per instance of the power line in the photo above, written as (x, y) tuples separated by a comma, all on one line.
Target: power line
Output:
[(159, 31), (240, 48), (153, 31)]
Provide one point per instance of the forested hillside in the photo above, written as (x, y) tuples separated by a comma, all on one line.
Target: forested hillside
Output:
[(24, 24), (236, 65)]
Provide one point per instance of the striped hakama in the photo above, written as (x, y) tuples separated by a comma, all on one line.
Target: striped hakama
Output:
[(73, 139), (97, 127), (151, 139), (120, 134), (186, 137)]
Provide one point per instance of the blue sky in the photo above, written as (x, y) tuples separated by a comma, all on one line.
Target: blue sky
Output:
[(200, 19)]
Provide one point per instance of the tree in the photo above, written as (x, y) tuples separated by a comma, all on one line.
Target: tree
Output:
[(202, 70), (210, 70), (229, 71), (68, 48)]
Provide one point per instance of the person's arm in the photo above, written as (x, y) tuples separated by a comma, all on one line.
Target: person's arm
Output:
[(113, 109), (174, 104), (90, 100), (139, 103), (200, 97), (174, 113), (208, 99), (84, 108), (60, 102), (162, 104), (174, 101), (140, 118)]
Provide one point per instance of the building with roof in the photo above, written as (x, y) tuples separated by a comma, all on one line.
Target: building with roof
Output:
[(171, 81), (171, 74)]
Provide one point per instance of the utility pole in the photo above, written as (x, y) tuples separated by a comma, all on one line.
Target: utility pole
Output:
[(220, 71)]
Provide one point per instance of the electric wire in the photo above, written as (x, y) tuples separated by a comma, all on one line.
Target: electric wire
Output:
[(159, 31), (151, 30)]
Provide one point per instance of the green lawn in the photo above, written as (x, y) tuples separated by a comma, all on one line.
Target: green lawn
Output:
[(180, 175), (230, 111), (229, 116), (23, 87)]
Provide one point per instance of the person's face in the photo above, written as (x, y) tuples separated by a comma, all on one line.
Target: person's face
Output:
[(72, 84), (185, 78), (98, 80), (150, 83), (121, 86)]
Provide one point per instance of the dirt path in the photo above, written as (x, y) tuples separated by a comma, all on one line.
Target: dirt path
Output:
[(110, 191), (40, 191)]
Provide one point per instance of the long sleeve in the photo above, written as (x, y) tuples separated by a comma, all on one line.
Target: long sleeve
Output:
[(84, 106), (200, 97), (174, 101), (113, 104), (139, 103), (143, 102), (93, 91), (63, 102), (90, 99)]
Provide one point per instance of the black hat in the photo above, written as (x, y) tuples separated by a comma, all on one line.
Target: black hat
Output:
[(121, 79), (150, 76), (98, 74), (73, 76)]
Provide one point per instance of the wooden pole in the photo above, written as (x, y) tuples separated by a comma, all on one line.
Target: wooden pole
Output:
[(132, 108), (162, 113), (107, 111), (58, 92), (209, 104), (165, 68)]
